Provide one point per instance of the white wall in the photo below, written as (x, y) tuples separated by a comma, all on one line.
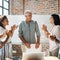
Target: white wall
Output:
[(16, 19)]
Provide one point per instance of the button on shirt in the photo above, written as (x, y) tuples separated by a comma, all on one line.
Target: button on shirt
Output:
[(28, 31)]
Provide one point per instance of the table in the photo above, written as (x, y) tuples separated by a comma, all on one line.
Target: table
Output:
[(51, 58)]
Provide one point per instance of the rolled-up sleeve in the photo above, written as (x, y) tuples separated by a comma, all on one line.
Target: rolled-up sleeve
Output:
[(20, 30), (37, 29)]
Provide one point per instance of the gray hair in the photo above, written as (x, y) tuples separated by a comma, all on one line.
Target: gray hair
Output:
[(28, 11)]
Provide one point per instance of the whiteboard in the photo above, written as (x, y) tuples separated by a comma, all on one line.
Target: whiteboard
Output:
[(17, 19)]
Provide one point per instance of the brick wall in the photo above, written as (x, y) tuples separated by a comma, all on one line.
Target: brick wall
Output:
[(59, 6), (16, 7), (36, 6)]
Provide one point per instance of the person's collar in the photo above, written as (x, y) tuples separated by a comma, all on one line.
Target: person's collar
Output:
[(29, 22)]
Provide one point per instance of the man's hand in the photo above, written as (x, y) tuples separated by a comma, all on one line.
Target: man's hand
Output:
[(28, 45), (37, 45)]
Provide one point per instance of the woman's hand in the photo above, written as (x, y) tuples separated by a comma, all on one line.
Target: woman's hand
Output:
[(9, 34), (44, 27), (5, 33), (14, 27), (52, 37)]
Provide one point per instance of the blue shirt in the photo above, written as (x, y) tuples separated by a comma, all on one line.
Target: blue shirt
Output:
[(28, 31)]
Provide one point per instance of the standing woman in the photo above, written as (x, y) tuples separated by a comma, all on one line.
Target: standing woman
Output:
[(54, 35), (5, 37)]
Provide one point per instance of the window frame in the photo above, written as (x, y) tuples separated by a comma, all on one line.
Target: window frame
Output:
[(4, 7)]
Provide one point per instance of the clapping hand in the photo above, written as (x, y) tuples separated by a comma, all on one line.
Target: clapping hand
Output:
[(9, 34), (14, 27), (44, 27), (5, 32), (52, 37)]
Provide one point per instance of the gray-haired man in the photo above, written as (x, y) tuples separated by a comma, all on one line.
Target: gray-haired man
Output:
[(27, 31)]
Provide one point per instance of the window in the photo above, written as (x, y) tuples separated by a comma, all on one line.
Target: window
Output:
[(0, 2), (5, 12), (0, 11), (5, 4), (4, 7)]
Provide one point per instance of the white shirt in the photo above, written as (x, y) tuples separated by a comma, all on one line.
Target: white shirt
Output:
[(55, 31), (2, 30)]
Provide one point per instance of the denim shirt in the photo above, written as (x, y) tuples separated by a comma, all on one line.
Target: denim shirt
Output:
[(28, 31)]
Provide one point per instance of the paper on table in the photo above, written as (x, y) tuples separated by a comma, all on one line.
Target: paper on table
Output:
[(51, 58), (33, 49)]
